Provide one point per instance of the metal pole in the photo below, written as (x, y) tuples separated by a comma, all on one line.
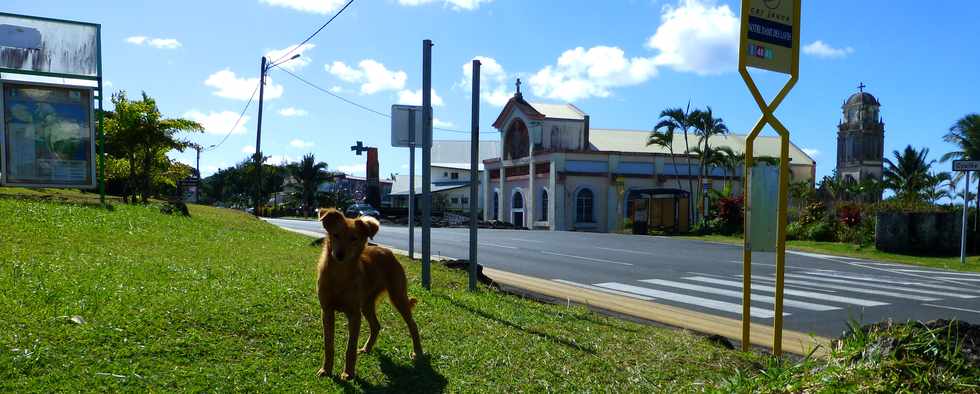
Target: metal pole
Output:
[(474, 156), (426, 162), (197, 189), (258, 143), (966, 204), (102, 159), (411, 184)]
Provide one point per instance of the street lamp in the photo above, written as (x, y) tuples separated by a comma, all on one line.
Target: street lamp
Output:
[(258, 133)]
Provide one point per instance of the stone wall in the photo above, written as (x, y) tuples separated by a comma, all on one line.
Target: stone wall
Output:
[(918, 233)]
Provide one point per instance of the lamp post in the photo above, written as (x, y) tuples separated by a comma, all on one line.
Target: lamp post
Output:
[(266, 66)]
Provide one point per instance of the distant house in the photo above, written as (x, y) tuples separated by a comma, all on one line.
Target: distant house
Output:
[(355, 187), (450, 174)]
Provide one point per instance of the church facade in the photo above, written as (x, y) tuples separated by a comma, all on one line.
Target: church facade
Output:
[(860, 138), (556, 172)]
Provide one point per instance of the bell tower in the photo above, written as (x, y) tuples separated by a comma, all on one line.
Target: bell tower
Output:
[(860, 137)]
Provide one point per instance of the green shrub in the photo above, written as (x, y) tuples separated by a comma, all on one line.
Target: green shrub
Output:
[(821, 231), (795, 231), (813, 212)]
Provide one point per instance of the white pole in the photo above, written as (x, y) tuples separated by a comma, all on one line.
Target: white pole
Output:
[(966, 204)]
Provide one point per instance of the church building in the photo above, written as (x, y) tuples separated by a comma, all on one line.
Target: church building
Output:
[(557, 172), (860, 138)]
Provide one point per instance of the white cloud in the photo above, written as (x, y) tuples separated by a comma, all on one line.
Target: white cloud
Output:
[(436, 122), (107, 84), (581, 73), (250, 149), (351, 169), (229, 85), (336, 89), (314, 6), (292, 50), (821, 49), (300, 144), (409, 97), (457, 5), (159, 43), (373, 76), (697, 36), (218, 122), (291, 112), (494, 86), (812, 152)]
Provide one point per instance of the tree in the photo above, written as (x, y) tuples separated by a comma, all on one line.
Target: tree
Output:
[(139, 134), (683, 120), (908, 174), (965, 134), (730, 161), (310, 174), (936, 189), (835, 186), (706, 125), (663, 136)]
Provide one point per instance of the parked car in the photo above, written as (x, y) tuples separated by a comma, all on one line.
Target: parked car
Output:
[(356, 210)]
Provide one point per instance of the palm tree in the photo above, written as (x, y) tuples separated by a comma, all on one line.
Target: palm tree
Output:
[(834, 185), (310, 174), (936, 187), (706, 126), (965, 134), (663, 136), (683, 120), (908, 174), (730, 161)]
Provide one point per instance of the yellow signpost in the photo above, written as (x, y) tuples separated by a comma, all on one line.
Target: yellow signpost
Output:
[(769, 40)]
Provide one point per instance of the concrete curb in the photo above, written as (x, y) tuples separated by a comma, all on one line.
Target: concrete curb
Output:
[(793, 341)]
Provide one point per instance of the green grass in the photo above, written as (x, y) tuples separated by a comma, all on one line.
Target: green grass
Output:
[(223, 302), (863, 252)]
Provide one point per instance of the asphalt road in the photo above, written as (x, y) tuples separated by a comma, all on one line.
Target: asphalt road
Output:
[(822, 292)]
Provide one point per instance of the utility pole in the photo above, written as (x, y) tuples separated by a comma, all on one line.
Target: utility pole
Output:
[(474, 156), (197, 189), (258, 142), (426, 163)]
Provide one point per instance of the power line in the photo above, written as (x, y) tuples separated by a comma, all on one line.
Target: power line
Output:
[(314, 33), (240, 116), (373, 111)]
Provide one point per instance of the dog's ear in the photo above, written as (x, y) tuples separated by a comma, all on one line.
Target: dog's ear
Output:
[(368, 225), (332, 219)]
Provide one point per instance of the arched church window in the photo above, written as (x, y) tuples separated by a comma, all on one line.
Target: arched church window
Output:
[(583, 207), (516, 143), (555, 138), (544, 205)]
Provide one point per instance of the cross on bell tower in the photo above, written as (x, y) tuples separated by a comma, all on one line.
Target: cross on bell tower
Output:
[(861, 87)]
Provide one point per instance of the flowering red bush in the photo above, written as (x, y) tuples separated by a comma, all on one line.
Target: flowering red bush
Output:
[(731, 212), (849, 214)]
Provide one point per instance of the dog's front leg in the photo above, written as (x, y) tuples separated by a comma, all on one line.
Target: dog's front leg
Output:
[(328, 323), (353, 330)]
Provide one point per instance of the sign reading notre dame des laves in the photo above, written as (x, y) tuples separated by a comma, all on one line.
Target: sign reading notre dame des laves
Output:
[(768, 30)]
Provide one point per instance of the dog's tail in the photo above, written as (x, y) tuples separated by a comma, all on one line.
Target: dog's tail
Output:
[(412, 302)]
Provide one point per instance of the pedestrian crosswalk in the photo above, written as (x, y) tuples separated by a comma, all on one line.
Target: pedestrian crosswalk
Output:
[(805, 291)]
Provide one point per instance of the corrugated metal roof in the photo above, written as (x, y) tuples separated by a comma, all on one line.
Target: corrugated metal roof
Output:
[(559, 111), (615, 140)]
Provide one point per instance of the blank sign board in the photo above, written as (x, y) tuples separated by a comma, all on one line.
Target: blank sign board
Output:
[(44, 45), (764, 181), (406, 126)]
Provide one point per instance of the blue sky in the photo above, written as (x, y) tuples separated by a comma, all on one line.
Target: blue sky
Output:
[(620, 61)]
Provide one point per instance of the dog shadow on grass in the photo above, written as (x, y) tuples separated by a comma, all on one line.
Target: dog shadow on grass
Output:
[(496, 319), (419, 377)]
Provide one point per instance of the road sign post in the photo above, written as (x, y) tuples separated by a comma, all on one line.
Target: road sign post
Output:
[(769, 40), (966, 166), (474, 171), (426, 163)]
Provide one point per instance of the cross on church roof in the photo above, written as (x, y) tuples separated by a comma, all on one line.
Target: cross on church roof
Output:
[(360, 148), (861, 87), (518, 83)]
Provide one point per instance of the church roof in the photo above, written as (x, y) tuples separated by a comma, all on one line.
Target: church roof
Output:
[(635, 141), (862, 98), (559, 111)]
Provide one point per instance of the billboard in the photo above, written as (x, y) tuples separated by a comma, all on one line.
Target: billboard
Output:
[(48, 46), (47, 136), (768, 33)]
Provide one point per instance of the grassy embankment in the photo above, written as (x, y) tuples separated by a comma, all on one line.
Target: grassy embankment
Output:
[(131, 299), (862, 252)]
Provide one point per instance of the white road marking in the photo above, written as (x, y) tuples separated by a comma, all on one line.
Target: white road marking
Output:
[(952, 307), (962, 279), (498, 245), (686, 299), (525, 240), (944, 272), (792, 292), (878, 286), (590, 287), (585, 258), (628, 251), (742, 262), (854, 289), (836, 274), (738, 294)]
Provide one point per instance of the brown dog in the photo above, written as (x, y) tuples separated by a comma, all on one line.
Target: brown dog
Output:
[(351, 277)]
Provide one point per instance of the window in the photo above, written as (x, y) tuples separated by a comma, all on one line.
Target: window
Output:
[(455, 200), (465, 200), (555, 138), (445, 175), (496, 205), (583, 207), (518, 201), (455, 175), (544, 205)]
